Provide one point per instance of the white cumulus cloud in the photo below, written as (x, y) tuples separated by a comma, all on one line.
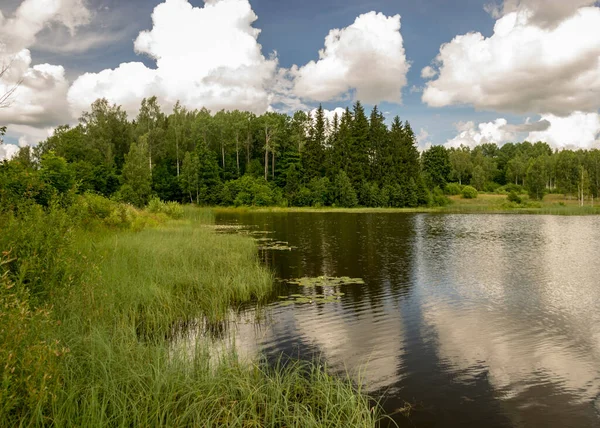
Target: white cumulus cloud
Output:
[(523, 67), (40, 96), (7, 151), (490, 132), (545, 13), (329, 114), (428, 72), (579, 130), (205, 57), (423, 140), (367, 57), (32, 16)]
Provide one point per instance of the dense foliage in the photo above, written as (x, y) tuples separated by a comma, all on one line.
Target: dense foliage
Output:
[(229, 158), (536, 168), (238, 158)]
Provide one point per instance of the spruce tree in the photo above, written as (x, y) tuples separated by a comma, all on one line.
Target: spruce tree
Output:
[(312, 156), (358, 153), (378, 140)]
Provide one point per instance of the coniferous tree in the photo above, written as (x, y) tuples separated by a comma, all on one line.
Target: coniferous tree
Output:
[(342, 143), (378, 143), (314, 149), (358, 151)]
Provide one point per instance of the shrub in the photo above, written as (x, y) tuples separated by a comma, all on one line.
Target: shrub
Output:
[(510, 187), (303, 198), (453, 189), (491, 186), (249, 190), (319, 188), (31, 361), (343, 192), (37, 240), (173, 210), (156, 206), (438, 199), (513, 197), (469, 192), (170, 209), (95, 206)]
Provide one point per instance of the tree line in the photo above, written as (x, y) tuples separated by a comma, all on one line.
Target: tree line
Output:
[(238, 158)]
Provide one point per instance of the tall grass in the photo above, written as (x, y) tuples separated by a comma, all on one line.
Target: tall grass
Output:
[(96, 351)]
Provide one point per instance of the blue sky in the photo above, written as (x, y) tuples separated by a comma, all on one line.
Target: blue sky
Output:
[(508, 84)]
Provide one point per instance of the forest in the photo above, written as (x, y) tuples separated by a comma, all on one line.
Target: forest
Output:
[(238, 158)]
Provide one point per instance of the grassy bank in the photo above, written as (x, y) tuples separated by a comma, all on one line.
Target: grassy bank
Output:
[(484, 203), (86, 317)]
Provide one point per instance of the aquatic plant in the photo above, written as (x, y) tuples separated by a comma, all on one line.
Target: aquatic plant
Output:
[(325, 281)]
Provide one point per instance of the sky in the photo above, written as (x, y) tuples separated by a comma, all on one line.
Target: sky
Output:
[(461, 72)]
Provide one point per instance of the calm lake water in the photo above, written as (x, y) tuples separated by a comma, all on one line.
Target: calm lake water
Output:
[(475, 320)]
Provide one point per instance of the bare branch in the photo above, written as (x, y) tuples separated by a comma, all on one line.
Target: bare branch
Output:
[(6, 98)]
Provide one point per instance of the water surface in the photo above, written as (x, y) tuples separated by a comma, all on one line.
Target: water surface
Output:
[(475, 320)]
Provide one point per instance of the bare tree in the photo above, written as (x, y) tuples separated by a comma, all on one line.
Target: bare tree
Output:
[(6, 97)]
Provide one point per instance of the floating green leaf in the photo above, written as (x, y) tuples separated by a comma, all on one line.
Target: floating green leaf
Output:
[(325, 281), (275, 245)]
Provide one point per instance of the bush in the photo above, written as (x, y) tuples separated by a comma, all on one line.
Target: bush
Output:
[(510, 187), (249, 190), (31, 362), (319, 188), (37, 240), (343, 192), (95, 206), (155, 206), (453, 189), (438, 199), (469, 192), (490, 186), (171, 209), (303, 197), (513, 197)]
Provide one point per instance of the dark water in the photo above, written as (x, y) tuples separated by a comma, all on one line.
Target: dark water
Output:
[(475, 320)]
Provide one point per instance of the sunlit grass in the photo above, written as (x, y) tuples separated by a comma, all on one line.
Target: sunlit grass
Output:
[(104, 340)]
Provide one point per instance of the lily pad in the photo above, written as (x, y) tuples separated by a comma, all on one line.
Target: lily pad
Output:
[(275, 245), (325, 281)]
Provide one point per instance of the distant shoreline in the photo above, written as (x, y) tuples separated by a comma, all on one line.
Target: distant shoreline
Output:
[(485, 203)]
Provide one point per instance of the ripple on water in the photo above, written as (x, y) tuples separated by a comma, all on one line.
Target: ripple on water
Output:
[(477, 319)]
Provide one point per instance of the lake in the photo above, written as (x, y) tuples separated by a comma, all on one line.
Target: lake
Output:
[(471, 320)]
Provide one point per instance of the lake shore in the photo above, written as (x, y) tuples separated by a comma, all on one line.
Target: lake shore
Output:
[(93, 346), (485, 203)]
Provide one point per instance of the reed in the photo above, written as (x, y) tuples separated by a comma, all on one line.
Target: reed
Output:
[(98, 350)]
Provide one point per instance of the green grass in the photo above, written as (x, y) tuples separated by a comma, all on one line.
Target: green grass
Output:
[(484, 203), (97, 353)]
